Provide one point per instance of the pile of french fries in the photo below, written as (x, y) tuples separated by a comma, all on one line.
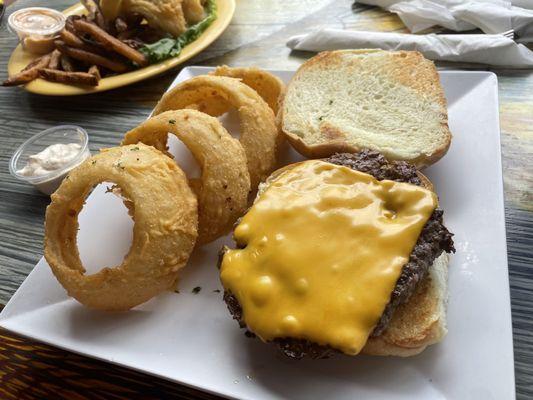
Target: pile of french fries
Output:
[(89, 48)]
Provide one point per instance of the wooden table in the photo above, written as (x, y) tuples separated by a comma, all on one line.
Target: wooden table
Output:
[(257, 36)]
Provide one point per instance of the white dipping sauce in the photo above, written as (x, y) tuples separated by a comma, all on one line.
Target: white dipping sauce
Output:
[(51, 159), (46, 170)]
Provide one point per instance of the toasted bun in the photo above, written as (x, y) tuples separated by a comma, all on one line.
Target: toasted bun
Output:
[(422, 320), (349, 100)]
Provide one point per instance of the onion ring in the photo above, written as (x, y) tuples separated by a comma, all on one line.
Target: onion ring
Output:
[(225, 183), (259, 134), (164, 233), (268, 86)]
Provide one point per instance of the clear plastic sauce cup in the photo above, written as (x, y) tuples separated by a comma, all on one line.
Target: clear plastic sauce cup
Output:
[(37, 27), (64, 134)]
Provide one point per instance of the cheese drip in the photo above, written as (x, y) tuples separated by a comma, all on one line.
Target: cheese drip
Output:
[(323, 247)]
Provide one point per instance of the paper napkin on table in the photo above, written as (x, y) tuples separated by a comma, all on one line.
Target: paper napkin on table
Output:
[(491, 16), (495, 50)]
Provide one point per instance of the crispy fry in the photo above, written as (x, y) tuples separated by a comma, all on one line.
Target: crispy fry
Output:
[(67, 64), (91, 58), (95, 71), (70, 78), (69, 23), (29, 73), (55, 58), (71, 39), (95, 14), (110, 42), (33, 63)]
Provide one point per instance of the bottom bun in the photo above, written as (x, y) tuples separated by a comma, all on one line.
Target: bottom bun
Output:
[(421, 321)]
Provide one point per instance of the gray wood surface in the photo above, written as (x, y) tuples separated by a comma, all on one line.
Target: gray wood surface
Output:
[(257, 36)]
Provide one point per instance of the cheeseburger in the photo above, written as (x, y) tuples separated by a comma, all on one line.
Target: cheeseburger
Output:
[(345, 254)]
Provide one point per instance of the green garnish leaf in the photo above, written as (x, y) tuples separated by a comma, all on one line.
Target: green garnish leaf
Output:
[(172, 121)]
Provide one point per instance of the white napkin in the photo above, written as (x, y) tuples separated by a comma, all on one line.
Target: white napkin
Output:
[(496, 50), (491, 16)]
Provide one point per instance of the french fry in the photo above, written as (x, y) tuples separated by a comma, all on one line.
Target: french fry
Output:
[(67, 64), (29, 73), (110, 42), (33, 63), (71, 78), (95, 14), (69, 26), (72, 40), (96, 72), (55, 59), (90, 58)]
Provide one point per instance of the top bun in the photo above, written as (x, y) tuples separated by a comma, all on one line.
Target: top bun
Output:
[(349, 100)]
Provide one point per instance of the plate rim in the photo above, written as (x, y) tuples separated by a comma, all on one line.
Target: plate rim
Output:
[(212, 33)]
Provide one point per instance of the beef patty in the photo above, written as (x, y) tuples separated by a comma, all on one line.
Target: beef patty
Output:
[(433, 240)]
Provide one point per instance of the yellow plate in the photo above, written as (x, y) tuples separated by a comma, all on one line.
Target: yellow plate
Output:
[(20, 58)]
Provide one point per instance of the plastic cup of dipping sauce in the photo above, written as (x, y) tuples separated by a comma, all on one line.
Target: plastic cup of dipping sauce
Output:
[(37, 27), (46, 158)]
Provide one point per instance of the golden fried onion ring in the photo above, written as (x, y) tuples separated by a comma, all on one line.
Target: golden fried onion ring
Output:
[(259, 133), (193, 10), (164, 233), (267, 85), (225, 183)]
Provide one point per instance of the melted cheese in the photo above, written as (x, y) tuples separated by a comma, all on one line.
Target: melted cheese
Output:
[(323, 248)]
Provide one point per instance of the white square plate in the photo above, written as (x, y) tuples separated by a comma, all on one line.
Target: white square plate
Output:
[(191, 338)]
